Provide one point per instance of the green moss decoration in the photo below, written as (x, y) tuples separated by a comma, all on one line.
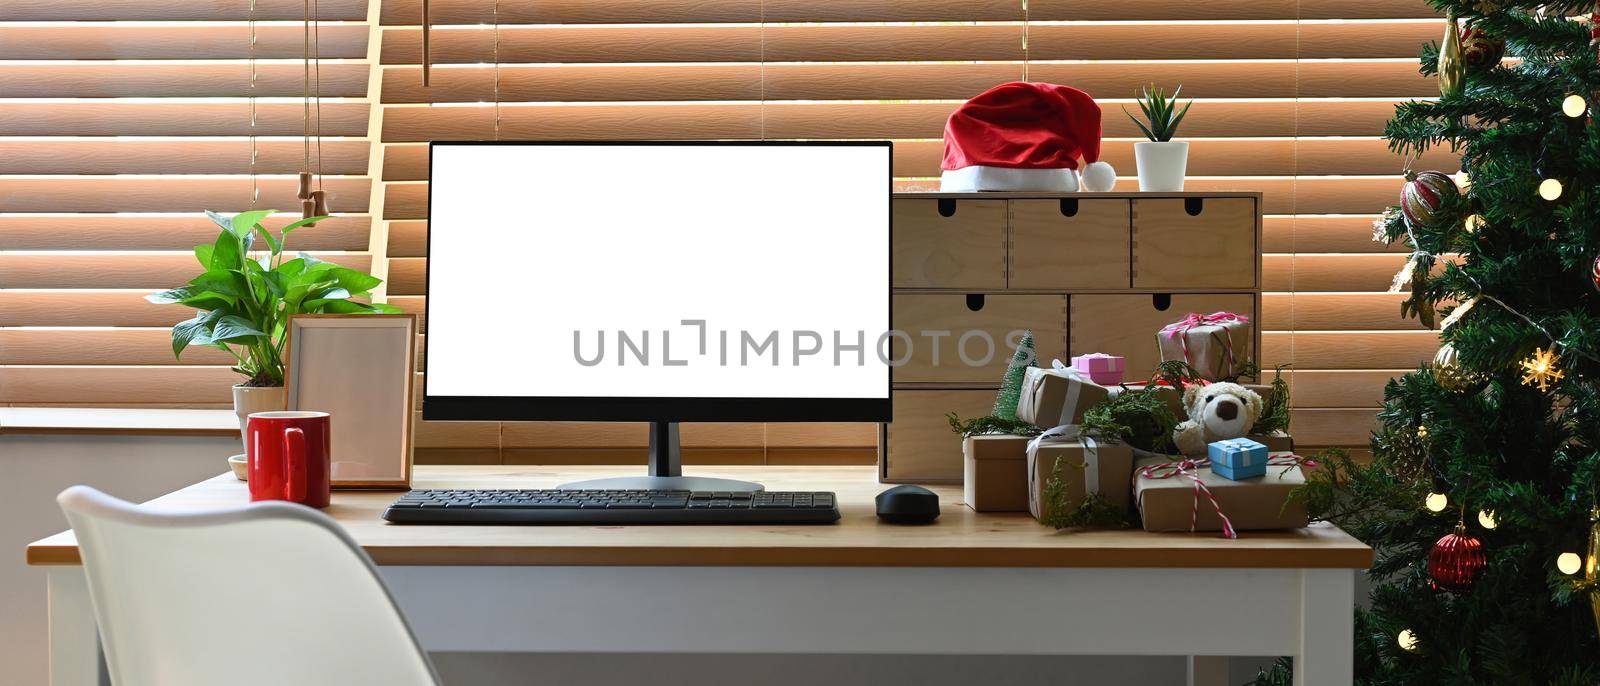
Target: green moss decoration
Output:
[(1139, 418), (991, 424), (1092, 511)]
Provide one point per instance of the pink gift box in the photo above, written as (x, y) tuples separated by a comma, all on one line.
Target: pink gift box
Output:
[(1101, 368)]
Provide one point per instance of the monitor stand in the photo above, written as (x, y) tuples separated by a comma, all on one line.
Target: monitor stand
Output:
[(666, 470)]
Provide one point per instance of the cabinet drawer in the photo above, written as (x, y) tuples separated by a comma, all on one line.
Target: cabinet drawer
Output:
[(956, 338), (1127, 324), (920, 446), (1214, 247), (1069, 243), (963, 250)]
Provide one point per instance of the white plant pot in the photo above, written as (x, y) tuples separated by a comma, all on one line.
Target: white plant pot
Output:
[(247, 399), (1161, 165)]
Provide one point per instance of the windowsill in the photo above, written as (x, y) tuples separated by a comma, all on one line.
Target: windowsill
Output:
[(117, 421)]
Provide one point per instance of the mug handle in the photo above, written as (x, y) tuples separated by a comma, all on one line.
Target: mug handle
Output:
[(294, 467)]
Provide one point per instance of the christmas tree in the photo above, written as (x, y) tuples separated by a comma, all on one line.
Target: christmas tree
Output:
[(1005, 402), (1481, 494)]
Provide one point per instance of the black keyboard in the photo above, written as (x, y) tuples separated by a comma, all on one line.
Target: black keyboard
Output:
[(556, 506)]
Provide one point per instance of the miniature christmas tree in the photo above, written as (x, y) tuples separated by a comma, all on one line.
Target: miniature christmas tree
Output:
[(1005, 404), (1480, 496)]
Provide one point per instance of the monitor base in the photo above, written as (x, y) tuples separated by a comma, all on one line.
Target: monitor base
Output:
[(664, 483), (666, 470)]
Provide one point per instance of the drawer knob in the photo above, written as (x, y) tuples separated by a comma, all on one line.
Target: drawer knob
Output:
[(1069, 207), (1194, 206), (947, 207), (975, 301), (1161, 301)]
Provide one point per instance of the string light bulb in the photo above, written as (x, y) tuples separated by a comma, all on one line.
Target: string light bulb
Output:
[(1550, 189), (1542, 369), (1436, 502), (1574, 106), (1569, 563), (1463, 181), (1407, 641), (1486, 519), (1472, 223)]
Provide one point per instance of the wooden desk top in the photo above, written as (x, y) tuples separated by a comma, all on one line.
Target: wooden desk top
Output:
[(960, 537)]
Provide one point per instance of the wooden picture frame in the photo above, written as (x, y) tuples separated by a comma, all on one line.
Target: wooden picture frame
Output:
[(360, 368)]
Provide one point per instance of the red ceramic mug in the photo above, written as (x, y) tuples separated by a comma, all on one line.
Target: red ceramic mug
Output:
[(289, 456)]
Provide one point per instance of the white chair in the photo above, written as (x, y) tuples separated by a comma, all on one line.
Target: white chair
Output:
[(266, 594)]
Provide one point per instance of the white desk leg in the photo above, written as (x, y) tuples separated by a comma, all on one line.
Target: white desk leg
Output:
[(1208, 670), (74, 639), (1326, 653)]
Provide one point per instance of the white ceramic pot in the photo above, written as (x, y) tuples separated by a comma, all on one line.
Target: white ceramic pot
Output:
[(247, 399), (1161, 165)]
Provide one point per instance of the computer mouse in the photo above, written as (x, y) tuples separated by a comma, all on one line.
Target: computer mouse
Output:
[(908, 505)]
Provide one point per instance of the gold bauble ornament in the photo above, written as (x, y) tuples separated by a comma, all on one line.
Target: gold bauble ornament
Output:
[(1447, 371), (1452, 69)]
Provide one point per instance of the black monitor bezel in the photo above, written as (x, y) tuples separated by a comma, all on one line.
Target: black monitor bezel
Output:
[(662, 409)]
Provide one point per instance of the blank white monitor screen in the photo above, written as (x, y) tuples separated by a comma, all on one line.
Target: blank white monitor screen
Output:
[(713, 271)]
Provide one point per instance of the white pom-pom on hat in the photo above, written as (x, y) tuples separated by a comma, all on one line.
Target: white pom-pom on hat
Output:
[(1099, 177)]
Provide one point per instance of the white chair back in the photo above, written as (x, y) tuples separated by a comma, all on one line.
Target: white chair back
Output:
[(268, 594)]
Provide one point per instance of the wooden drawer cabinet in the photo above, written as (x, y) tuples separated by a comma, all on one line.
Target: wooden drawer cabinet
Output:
[(971, 327), (1092, 272), (1194, 243), (1126, 324), (949, 243), (1070, 243), (920, 445)]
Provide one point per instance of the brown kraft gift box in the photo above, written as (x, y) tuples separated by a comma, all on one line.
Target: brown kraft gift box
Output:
[(1112, 467), (995, 472), (1260, 503), (1054, 397)]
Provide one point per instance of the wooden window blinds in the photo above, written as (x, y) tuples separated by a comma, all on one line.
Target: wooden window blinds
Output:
[(121, 119)]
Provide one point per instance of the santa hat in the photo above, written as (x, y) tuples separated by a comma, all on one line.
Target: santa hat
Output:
[(1025, 137)]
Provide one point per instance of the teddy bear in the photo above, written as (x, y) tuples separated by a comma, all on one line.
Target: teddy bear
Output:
[(1217, 412)]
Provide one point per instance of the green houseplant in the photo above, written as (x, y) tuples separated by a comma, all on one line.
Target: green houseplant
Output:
[(1162, 161), (245, 295)]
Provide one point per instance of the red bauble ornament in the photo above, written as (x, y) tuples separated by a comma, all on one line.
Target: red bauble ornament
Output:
[(1594, 277), (1480, 51), (1424, 195), (1455, 562)]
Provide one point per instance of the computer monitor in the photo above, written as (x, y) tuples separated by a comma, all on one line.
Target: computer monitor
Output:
[(658, 282)]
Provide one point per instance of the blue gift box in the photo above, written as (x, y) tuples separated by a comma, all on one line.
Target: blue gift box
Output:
[(1238, 458)]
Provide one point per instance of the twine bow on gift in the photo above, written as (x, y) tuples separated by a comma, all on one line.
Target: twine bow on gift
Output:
[(1180, 331), (1188, 468)]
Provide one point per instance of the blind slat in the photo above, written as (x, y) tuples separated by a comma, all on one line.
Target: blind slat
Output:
[(845, 120), (166, 10), (406, 12), (116, 118), (932, 81), (944, 42), (165, 232), (144, 386), (1350, 350), (1334, 311), (124, 270), (122, 194), (122, 80), (90, 156), (167, 42), (74, 307), (95, 346)]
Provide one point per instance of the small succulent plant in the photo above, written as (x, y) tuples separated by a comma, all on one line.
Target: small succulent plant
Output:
[(1162, 113)]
